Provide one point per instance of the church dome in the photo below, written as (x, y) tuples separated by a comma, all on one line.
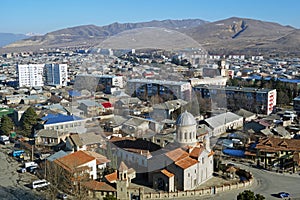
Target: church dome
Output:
[(186, 119)]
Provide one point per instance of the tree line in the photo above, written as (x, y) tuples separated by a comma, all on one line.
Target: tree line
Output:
[(26, 126)]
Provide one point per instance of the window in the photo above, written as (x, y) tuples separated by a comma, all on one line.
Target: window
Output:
[(202, 160)]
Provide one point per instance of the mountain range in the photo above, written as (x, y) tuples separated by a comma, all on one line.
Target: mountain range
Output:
[(232, 35)]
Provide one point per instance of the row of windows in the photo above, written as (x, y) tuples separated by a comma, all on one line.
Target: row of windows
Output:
[(65, 126), (186, 135)]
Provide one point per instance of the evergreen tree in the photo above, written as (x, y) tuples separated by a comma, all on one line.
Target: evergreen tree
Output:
[(28, 121), (7, 125), (249, 195)]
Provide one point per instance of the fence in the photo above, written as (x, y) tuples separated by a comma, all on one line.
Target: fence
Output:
[(199, 192)]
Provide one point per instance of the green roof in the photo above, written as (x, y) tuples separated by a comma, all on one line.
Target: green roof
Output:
[(6, 111)]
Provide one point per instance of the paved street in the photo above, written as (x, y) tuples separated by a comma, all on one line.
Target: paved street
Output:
[(266, 183), (13, 185)]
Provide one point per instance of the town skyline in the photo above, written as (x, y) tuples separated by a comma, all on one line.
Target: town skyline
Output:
[(62, 14)]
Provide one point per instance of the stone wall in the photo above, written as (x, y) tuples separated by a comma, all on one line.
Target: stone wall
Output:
[(200, 192)]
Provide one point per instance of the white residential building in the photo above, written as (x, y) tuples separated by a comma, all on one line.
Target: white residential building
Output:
[(30, 75), (56, 74), (219, 124)]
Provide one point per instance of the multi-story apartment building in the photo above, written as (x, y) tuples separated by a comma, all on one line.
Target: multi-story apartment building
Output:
[(56, 74), (30, 75), (253, 99), (148, 88), (110, 83)]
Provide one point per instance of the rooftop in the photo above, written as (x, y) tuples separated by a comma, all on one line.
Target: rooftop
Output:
[(98, 186), (159, 82), (72, 161), (59, 118), (186, 162), (278, 144), (167, 173)]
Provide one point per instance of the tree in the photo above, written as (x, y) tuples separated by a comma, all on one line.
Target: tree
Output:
[(249, 195), (109, 197), (7, 125), (28, 121)]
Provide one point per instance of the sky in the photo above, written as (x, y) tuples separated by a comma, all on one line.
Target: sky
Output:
[(43, 16)]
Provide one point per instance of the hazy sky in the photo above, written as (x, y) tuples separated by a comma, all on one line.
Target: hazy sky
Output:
[(42, 16)]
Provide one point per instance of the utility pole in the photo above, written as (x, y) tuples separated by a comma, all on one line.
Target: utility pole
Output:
[(32, 146)]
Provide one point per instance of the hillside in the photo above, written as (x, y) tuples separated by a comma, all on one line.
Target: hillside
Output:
[(154, 38), (232, 35), (90, 35), (237, 34)]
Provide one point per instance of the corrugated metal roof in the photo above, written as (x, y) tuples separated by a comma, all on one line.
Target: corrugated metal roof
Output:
[(59, 118), (222, 119)]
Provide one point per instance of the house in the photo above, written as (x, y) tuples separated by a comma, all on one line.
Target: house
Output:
[(99, 190), (108, 107), (90, 108), (102, 161), (76, 168), (49, 138), (221, 123), (87, 141), (247, 115), (64, 123), (277, 151), (167, 110), (74, 143), (257, 125), (135, 126), (123, 105)]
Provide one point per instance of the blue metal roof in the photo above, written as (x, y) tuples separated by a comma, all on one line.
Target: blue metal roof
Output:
[(59, 118), (74, 93), (234, 152), (257, 77), (289, 80)]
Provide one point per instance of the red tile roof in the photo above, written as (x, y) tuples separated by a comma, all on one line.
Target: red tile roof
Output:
[(112, 178), (186, 162), (177, 154), (278, 144), (167, 173), (98, 186), (196, 152), (74, 160)]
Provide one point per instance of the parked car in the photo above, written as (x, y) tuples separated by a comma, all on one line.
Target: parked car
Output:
[(62, 196), (32, 169), (283, 195), (22, 170)]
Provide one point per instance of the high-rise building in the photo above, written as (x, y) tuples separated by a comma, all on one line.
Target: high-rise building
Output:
[(56, 74), (30, 75)]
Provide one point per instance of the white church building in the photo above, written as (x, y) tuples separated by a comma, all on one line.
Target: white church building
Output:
[(179, 166), (189, 165)]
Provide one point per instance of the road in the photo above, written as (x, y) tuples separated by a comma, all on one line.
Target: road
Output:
[(266, 183), (14, 185)]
